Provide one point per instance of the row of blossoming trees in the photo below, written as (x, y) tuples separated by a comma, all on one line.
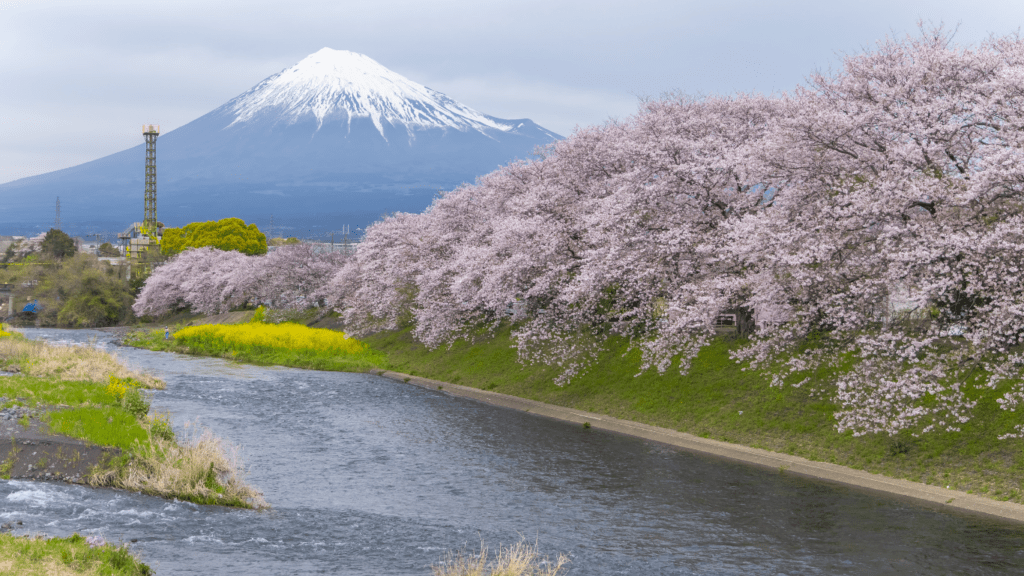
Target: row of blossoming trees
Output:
[(210, 281), (872, 220)]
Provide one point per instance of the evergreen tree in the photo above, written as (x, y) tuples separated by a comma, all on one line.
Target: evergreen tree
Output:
[(58, 244)]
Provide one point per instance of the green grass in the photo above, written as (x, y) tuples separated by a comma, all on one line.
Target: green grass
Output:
[(86, 410), (35, 391), (30, 556), (106, 426), (717, 399)]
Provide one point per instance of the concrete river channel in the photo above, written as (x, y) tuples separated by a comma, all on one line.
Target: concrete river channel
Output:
[(370, 476)]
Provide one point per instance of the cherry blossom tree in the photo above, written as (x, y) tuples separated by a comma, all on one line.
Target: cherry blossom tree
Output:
[(900, 228), (595, 239), (209, 281), (657, 269), (292, 277), (205, 280)]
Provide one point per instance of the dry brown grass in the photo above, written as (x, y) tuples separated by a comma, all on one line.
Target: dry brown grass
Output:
[(198, 467), (519, 559), (45, 360)]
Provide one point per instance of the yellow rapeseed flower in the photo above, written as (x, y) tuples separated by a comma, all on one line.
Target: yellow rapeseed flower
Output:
[(118, 387), (294, 337)]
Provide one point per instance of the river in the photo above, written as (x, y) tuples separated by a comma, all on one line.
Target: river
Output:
[(368, 476)]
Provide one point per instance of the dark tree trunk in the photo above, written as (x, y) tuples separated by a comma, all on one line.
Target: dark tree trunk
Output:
[(745, 324)]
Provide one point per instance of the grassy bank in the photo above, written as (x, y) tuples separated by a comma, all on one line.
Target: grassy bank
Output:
[(114, 412), (30, 556), (715, 399)]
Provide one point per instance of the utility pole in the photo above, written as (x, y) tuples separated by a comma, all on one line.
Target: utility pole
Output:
[(56, 221)]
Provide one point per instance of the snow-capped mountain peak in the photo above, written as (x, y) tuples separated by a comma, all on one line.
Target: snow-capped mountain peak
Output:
[(338, 84)]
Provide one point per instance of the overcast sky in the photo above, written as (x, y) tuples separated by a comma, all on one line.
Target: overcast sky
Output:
[(79, 78)]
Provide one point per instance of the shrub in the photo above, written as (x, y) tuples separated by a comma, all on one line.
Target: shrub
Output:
[(108, 249), (135, 403)]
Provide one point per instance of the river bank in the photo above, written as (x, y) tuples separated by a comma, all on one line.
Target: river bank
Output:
[(76, 414), (30, 451), (717, 408)]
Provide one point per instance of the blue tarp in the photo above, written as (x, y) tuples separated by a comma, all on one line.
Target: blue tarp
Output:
[(31, 307)]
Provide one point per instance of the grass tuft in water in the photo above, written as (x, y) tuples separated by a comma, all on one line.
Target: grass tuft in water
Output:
[(519, 559), (197, 467)]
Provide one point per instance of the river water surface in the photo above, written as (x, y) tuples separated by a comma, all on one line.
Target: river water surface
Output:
[(370, 476)]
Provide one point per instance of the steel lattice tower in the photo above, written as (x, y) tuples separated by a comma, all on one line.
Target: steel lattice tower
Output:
[(150, 132)]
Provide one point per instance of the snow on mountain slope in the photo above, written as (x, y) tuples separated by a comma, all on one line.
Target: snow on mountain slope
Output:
[(331, 84)]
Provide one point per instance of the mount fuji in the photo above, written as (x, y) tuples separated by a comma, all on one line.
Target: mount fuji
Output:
[(336, 139)]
